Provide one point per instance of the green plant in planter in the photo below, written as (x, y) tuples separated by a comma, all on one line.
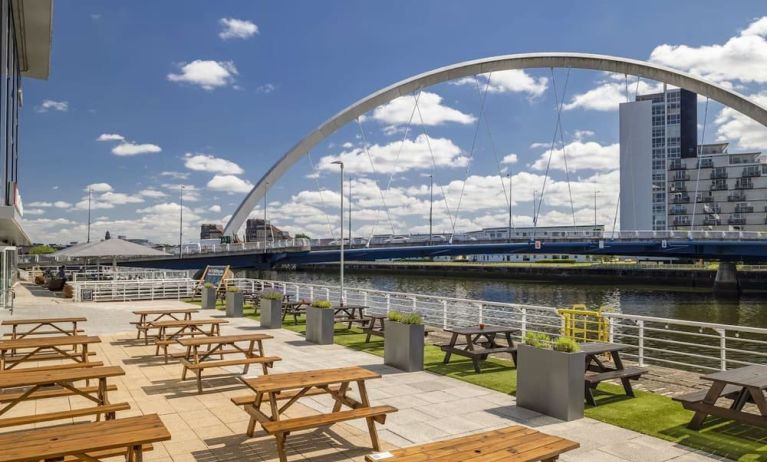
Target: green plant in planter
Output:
[(271, 295), (538, 340), (208, 285), (394, 316), (233, 289), (322, 304), (566, 345), (405, 318)]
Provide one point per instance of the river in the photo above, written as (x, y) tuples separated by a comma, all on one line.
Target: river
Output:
[(690, 304)]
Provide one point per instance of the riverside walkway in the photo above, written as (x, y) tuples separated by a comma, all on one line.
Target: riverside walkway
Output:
[(208, 427)]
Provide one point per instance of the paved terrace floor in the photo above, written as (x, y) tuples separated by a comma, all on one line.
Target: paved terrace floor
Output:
[(209, 428)]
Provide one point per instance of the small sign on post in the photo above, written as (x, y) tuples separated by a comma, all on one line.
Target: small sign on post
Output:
[(664, 244), (537, 245)]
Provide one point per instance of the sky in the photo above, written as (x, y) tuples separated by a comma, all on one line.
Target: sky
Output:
[(149, 100)]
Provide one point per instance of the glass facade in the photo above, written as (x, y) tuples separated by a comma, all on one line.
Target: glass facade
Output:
[(10, 101)]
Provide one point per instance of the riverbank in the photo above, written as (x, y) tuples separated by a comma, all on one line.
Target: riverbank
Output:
[(574, 273)]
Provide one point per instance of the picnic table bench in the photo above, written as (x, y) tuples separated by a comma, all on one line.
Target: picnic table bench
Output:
[(351, 314), (597, 371), (374, 326), (479, 343), (742, 385), (34, 327), (45, 349), (295, 309), (197, 361), (170, 331), (94, 441), (517, 443), (144, 323), (295, 385), (43, 384)]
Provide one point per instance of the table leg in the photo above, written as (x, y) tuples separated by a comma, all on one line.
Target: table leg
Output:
[(625, 381), (510, 343), (474, 359), (450, 345), (371, 423), (758, 396), (713, 394)]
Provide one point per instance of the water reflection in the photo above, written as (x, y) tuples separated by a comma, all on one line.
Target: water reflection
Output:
[(683, 303)]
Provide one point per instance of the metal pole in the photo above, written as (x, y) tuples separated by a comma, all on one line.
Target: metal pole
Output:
[(508, 233), (595, 208), (181, 224), (341, 295), (89, 214), (431, 205), (264, 228), (350, 211)]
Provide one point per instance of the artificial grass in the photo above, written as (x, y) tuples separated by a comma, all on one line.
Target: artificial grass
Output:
[(647, 413)]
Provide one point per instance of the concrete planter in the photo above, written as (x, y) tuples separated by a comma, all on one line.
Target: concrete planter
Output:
[(208, 298), (271, 313), (403, 346), (234, 304), (551, 382), (319, 325)]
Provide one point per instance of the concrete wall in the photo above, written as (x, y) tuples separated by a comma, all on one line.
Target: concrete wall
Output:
[(636, 166)]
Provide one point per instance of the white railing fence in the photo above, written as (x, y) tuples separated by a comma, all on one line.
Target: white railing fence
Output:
[(131, 290)]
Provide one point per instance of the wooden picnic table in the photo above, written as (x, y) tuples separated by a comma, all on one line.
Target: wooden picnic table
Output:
[(221, 345), (144, 323), (742, 385), (294, 385), (170, 331), (95, 441), (295, 309), (517, 443), (57, 326), (479, 343), (374, 326), (597, 371), (350, 314), (44, 384), (45, 349)]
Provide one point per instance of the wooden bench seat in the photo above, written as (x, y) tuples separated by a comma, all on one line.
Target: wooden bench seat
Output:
[(104, 454), (230, 362), (55, 367), (39, 357), (108, 409), (729, 392), (377, 413), (50, 393), (251, 399), (38, 332), (632, 373)]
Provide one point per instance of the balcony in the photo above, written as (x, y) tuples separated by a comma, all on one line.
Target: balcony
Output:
[(712, 221), (736, 221), (744, 184), (677, 211), (718, 174), (737, 197), (702, 198), (679, 176), (682, 199), (712, 209), (682, 221), (718, 187), (744, 208), (676, 165), (706, 163), (750, 173), (672, 188)]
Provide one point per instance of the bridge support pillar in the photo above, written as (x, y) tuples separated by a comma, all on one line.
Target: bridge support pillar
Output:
[(726, 282)]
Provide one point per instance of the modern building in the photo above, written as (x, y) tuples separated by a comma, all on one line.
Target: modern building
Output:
[(25, 51), (654, 130), (211, 231), (257, 231)]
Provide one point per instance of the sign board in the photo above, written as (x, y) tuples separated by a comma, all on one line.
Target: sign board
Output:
[(664, 243), (86, 295), (537, 245), (226, 239), (215, 275), (601, 244)]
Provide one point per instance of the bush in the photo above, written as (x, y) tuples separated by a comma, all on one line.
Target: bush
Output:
[(233, 289), (538, 340), (271, 295), (322, 304), (405, 318), (566, 345), (208, 285)]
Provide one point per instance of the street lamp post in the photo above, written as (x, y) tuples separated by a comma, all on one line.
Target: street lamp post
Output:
[(595, 207), (264, 228), (350, 211), (341, 295), (89, 214), (508, 231), (181, 223), (431, 206)]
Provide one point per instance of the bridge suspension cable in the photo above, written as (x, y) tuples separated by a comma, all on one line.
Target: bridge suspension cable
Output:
[(372, 166), (697, 179), (564, 151), (319, 190)]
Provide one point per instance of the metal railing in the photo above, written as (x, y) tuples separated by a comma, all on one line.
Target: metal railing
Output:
[(123, 273), (131, 290), (201, 248), (688, 345)]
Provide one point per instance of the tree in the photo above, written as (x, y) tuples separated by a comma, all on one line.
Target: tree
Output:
[(302, 236), (41, 250)]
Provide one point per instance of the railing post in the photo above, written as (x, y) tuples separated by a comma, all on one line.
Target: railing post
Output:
[(365, 298), (284, 289), (344, 296), (415, 303), (610, 330), (311, 293), (388, 303), (481, 315), (298, 294), (523, 323), (444, 314), (327, 293), (722, 349), (640, 323)]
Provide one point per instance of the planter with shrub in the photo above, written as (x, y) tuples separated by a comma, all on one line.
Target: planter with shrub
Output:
[(271, 309), (234, 302), (209, 296), (320, 322), (403, 341), (550, 376)]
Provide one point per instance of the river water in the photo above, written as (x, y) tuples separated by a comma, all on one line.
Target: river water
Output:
[(681, 303)]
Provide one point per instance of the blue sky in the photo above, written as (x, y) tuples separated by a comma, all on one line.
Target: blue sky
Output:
[(146, 96)]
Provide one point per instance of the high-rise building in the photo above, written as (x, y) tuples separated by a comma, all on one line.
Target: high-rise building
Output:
[(256, 231), (668, 182), (211, 231)]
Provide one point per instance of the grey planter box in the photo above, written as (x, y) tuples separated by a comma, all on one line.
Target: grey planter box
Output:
[(208, 298), (271, 313), (551, 382), (234, 304), (403, 346), (320, 325)]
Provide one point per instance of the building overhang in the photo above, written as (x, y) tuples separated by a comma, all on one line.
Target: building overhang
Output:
[(34, 28), (11, 231)]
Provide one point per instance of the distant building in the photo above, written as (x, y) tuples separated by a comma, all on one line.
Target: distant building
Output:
[(256, 231), (211, 231)]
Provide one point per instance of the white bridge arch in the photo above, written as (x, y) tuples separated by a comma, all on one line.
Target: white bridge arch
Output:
[(482, 66)]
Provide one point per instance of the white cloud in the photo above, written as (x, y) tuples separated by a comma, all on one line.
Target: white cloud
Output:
[(62, 204), (98, 187), (175, 175), (52, 105), (744, 131), (34, 211), (741, 58), (206, 74), (237, 28), (581, 156), (215, 209), (133, 149), (153, 193), (510, 81), (208, 163), (40, 204), (510, 159), (110, 137), (415, 155), (266, 88), (230, 184), (607, 95), (119, 198), (398, 111)]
